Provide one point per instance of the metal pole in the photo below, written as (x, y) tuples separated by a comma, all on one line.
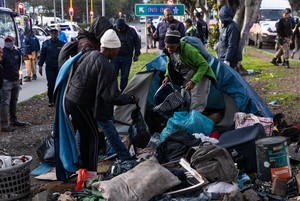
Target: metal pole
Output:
[(62, 10), (54, 11), (92, 10), (71, 6), (103, 8), (87, 11)]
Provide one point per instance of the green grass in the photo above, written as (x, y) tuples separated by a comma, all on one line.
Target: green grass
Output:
[(140, 65), (285, 99)]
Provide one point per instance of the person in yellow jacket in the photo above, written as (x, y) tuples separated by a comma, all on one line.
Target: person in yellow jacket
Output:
[(188, 67)]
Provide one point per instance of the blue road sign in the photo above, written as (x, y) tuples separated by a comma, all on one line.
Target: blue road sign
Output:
[(158, 9)]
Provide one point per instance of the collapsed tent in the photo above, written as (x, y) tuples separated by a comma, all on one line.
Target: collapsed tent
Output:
[(232, 92)]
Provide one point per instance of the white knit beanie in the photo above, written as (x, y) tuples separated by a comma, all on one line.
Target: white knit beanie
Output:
[(110, 39)]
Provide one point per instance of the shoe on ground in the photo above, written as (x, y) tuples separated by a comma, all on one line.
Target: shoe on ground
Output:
[(8, 129), (274, 62), (34, 77), (27, 79), (51, 105), (279, 61), (18, 123)]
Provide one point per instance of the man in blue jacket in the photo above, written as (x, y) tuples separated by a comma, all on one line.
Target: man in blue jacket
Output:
[(11, 86), (49, 54), (31, 48), (130, 50), (229, 50)]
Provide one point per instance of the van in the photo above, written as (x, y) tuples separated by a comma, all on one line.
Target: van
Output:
[(263, 30)]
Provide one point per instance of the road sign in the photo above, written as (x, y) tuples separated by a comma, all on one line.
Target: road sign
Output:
[(158, 9)]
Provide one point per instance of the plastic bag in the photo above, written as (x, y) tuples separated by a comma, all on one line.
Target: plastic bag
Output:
[(83, 174), (46, 151), (139, 134), (193, 122)]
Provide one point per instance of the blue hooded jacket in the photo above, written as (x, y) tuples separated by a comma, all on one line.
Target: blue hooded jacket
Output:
[(229, 41)]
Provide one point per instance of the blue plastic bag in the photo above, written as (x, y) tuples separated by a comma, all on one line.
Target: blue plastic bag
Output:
[(193, 122)]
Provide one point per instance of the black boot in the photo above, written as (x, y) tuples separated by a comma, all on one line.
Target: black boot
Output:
[(286, 63), (274, 61), (279, 60)]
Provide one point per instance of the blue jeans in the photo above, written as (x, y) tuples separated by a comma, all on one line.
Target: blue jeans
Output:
[(122, 63), (10, 95), (114, 140)]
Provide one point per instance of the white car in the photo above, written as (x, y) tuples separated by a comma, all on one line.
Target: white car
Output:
[(138, 31), (70, 29), (40, 34)]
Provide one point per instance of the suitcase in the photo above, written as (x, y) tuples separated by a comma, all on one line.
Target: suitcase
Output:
[(240, 143)]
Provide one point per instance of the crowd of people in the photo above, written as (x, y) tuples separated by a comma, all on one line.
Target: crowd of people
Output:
[(109, 50)]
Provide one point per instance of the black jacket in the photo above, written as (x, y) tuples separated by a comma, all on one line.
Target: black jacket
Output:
[(11, 62), (49, 53), (131, 42), (94, 85), (229, 40)]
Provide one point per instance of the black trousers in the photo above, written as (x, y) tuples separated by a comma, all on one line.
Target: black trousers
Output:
[(90, 136)]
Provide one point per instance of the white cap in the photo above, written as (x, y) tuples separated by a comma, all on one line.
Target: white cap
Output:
[(110, 39)]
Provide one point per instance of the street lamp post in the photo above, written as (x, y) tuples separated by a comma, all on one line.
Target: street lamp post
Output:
[(92, 11), (54, 11), (87, 10), (103, 8), (62, 9)]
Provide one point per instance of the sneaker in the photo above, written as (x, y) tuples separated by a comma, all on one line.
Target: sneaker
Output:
[(18, 123), (34, 77), (8, 129), (51, 105)]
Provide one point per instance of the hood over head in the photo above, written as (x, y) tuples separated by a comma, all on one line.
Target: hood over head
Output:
[(99, 26), (226, 14)]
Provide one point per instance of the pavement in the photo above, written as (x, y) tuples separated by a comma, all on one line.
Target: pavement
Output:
[(145, 50)]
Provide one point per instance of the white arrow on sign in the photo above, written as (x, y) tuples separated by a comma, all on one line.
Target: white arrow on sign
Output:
[(141, 9), (175, 10)]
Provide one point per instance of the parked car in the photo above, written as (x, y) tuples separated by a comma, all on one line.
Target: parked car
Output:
[(263, 30), (70, 29), (142, 19), (41, 34)]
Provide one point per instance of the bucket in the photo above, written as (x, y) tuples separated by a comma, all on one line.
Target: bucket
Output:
[(272, 159)]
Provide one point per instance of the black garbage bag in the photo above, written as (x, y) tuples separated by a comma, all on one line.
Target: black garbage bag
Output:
[(46, 151), (139, 134)]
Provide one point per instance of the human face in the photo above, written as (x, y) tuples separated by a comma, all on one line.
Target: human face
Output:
[(53, 35), (286, 15), (113, 52), (172, 48), (168, 15)]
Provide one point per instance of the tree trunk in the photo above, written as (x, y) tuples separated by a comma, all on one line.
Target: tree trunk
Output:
[(249, 16)]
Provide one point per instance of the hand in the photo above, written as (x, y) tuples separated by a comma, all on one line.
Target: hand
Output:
[(41, 70), (166, 80), (135, 58), (190, 85)]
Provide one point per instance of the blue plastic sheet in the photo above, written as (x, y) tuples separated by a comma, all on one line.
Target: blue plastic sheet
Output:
[(193, 122)]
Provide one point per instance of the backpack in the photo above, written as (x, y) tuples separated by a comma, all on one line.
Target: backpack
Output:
[(213, 162), (197, 43)]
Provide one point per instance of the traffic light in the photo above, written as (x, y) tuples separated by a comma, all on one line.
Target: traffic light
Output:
[(21, 7), (71, 12)]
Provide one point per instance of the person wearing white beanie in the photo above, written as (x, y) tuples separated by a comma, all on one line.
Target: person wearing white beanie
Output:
[(110, 39), (93, 92)]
